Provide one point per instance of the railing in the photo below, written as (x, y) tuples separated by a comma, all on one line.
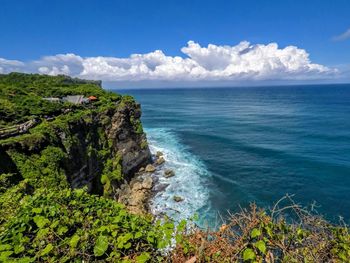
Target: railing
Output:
[(17, 129)]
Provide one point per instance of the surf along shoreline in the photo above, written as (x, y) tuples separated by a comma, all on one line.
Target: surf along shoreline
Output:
[(175, 185)]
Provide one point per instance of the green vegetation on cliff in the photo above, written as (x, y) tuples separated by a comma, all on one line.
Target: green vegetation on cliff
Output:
[(93, 148), (21, 95), (42, 219)]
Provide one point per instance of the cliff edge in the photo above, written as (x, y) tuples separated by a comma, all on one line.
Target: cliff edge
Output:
[(99, 145)]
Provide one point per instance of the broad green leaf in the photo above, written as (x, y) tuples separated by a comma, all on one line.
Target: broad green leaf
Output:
[(127, 245), (74, 241), (54, 224), (25, 260), (255, 233), (46, 250), (342, 256), (178, 238), (150, 239), (168, 226), (62, 230), (5, 247), (101, 246), (127, 237), (185, 249), (42, 232), (37, 210), (104, 179), (40, 221), (162, 244), (269, 231), (261, 246), (300, 233), (4, 255), (181, 226), (18, 248), (144, 257), (195, 217), (138, 234), (248, 254), (103, 228), (79, 192)]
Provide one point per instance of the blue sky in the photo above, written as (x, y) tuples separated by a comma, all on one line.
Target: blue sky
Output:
[(37, 28)]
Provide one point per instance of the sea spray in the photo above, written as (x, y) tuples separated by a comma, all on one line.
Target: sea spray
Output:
[(189, 181)]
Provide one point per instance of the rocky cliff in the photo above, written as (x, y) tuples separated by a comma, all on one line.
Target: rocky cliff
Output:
[(99, 148)]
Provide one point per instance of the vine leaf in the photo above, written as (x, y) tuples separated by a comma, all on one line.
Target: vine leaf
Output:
[(101, 246), (40, 221), (74, 241), (248, 254), (144, 257), (46, 250), (261, 246), (255, 233)]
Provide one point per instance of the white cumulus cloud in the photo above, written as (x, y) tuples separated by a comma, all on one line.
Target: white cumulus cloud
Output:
[(7, 66), (241, 62)]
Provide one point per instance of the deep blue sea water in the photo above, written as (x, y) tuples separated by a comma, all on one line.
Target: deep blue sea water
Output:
[(232, 146)]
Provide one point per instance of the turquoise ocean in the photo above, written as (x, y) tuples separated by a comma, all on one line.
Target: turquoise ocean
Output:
[(232, 146)]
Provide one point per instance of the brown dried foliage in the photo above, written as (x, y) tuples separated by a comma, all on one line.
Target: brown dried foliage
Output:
[(257, 235)]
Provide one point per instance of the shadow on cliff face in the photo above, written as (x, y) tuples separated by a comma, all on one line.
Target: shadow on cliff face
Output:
[(7, 166), (97, 146), (82, 166)]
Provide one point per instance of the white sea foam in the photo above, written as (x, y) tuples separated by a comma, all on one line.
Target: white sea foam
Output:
[(189, 181)]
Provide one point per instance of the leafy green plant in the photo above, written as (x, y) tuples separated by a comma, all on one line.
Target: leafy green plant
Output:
[(69, 224)]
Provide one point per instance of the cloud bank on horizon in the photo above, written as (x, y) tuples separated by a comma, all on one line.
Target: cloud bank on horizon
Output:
[(242, 62)]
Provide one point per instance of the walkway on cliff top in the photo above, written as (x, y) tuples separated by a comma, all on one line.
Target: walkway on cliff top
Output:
[(18, 129)]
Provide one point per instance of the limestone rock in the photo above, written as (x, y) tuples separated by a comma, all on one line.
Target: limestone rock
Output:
[(150, 168), (147, 183), (137, 186), (135, 195), (169, 173), (160, 160), (159, 153), (178, 198)]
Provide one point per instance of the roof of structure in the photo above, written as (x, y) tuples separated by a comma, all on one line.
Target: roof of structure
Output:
[(76, 99)]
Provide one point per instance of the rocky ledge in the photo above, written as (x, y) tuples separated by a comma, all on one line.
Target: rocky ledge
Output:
[(136, 194)]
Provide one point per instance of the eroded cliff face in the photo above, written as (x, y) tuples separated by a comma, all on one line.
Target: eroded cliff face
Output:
[(100, 150), (107, 143), (125, 131)]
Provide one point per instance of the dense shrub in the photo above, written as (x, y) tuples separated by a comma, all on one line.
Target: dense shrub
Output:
[(69, 225)]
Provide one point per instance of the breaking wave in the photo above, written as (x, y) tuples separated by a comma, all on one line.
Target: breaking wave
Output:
[(189, 181)]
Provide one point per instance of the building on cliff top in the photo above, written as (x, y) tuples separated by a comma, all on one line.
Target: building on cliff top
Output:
[(92, 98), (75, 99), (52, 99)]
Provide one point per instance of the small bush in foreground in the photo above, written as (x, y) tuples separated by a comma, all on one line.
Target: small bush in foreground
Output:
[(255, 235)]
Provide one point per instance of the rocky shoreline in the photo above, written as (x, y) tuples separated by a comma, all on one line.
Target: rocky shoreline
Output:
[(137, 193)]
